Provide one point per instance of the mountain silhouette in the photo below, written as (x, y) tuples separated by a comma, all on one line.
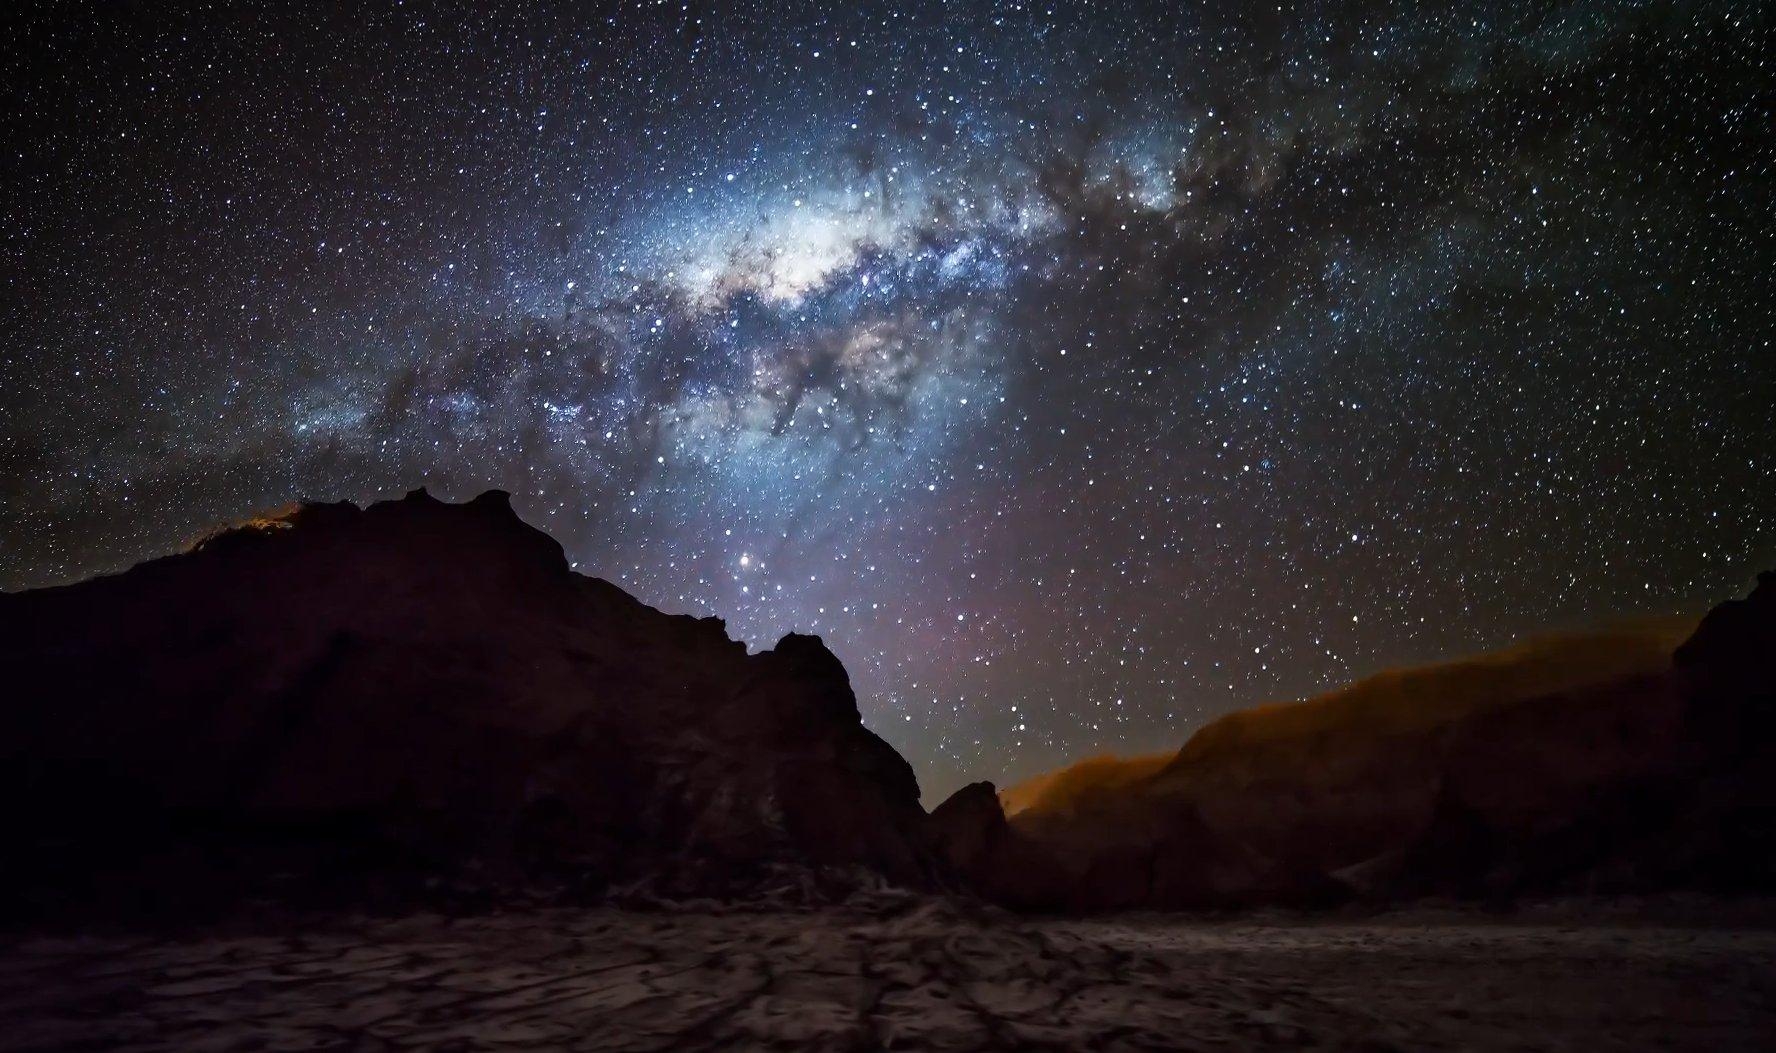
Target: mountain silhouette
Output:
[(1588, 763), (418, 687), (422, 698)]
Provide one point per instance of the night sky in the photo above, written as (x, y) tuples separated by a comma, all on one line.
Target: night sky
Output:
[(1078, 372)]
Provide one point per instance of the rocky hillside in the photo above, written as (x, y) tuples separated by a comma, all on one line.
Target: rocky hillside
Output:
[(417, 693), (422, 687), (1585, 764)]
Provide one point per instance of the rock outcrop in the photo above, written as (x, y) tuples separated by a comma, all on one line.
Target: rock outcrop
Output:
[(423, 685), (1569, 766), (417, 691)]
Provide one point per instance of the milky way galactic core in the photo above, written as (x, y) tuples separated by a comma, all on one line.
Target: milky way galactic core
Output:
[(1079, 372)]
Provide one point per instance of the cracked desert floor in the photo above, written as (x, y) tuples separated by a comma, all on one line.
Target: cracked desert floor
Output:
[(920, 975)]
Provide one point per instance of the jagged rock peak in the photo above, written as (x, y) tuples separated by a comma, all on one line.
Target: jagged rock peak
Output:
[(483, 528)]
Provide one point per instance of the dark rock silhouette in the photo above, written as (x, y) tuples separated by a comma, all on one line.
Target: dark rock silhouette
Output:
[(1474, 779), (419, 698), (419, 687), (969, 833)]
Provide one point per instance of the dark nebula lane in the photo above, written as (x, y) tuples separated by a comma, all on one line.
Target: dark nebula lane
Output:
[(1078, 371)]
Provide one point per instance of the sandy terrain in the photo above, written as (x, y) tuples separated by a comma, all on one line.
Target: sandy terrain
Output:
[(903, 975)]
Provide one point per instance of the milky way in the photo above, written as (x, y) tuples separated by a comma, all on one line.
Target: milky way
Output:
[(1078, 372)]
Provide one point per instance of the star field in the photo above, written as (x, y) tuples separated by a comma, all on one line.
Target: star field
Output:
[(1078, 372)]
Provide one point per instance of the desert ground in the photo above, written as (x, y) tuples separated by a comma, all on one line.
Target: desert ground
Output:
[(910, 974)]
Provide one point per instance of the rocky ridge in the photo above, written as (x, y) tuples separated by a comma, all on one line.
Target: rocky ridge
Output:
[(1662, 778), (423, 688), (341, 702)]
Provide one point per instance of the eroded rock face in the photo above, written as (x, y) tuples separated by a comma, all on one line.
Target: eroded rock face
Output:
[(969, 833), (428, 689), (1488, 778), (424, 681)]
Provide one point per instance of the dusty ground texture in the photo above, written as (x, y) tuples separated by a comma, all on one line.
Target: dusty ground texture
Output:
[(912, 975)]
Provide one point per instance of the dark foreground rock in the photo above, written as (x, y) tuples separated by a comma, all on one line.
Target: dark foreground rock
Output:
[(416, 692), (1458, 780), (908, 974), (419, 701)]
